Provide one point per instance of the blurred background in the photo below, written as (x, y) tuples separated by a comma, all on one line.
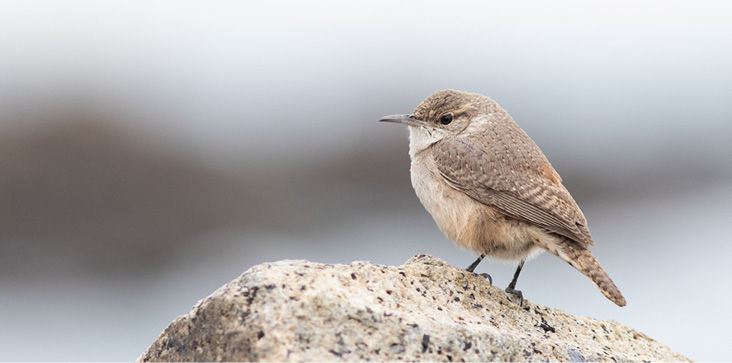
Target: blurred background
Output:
[(150, 152)]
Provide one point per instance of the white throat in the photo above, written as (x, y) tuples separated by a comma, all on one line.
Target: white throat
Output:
[(421, 138)]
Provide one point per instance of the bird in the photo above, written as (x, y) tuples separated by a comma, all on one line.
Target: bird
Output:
[(491, 190)]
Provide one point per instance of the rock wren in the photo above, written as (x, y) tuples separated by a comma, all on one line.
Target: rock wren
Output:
[(490, 188)]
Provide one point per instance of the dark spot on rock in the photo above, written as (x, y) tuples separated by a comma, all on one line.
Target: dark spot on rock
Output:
[(269, 287), (338, 353), (457, 299), (368, 310), (402, 273), (260, 335), (302, 288), (251, 294), (425, 342), (353, 275), (171, 343), (468, 345), (604, 328), (547, 328), (477, 306), (439, 308), (389, 292), (449, 357)]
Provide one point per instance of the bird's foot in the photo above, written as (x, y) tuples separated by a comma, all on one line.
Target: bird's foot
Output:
[(488, 277), (516, 293)]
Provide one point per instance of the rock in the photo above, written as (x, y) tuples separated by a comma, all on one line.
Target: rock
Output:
[(425, 310)]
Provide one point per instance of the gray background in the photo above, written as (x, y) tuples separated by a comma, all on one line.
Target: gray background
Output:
[(151, 152)]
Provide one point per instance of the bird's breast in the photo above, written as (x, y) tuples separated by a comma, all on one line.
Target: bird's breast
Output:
[(468, 223)]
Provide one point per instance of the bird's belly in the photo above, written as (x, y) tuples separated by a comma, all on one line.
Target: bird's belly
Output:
[(471, 224)]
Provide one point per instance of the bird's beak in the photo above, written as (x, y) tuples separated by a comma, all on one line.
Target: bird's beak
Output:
[(408, 120)]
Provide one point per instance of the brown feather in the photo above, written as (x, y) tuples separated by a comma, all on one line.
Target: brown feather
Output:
[(524, 194)]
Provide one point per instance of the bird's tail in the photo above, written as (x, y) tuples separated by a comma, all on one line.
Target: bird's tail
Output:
[(582, 259)]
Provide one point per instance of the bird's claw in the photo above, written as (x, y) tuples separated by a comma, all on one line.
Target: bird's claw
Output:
[(488, 277), (516, 293)]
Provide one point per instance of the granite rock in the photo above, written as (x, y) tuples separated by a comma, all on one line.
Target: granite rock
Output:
[(424, 310)]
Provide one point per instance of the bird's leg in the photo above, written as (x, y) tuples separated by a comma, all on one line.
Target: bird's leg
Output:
[(511, 289), (473, 265)]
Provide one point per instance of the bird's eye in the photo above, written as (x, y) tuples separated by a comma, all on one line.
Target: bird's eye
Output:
[(446, 119)]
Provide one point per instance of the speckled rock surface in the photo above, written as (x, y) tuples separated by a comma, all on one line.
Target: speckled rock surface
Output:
[(425, 310)]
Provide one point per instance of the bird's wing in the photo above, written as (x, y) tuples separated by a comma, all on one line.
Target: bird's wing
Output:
[(516, 187)]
